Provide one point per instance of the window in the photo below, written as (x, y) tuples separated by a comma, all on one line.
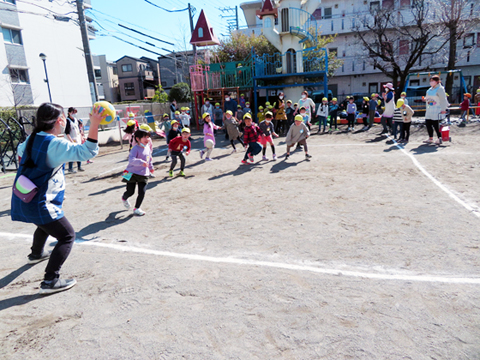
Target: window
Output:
[(388, 4), (285, 20), (353, 65), (127, 68), (387, 48), (327, 13), (129, 89), (164, 83), (19, 76), (403, 47), (404, 3), (9, 1), (343, 24), (374, 6), (469, 40), (372, 88), (200, 32), (363, 66), (115, 70), (98, 73), (333, 51), (267, 23), (11, 36)]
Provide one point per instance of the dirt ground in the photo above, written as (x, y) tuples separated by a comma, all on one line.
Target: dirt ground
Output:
[(356, 254)]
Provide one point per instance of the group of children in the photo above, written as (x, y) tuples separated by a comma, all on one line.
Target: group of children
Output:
[(255, 139)]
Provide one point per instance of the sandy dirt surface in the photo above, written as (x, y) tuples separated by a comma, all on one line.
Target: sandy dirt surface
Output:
[(356, 254)]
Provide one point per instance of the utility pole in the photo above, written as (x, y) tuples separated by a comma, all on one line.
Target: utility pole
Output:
[(190, 15), (86, 49), (232, 20)]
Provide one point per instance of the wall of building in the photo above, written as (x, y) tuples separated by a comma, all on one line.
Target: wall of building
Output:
[(61, 42), (358, 75)]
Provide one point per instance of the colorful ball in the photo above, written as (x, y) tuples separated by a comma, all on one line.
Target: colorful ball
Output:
[(209, 144), (109, 112)]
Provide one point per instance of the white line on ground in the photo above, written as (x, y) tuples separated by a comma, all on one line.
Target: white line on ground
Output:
[(436, 182), (112, 170), (391, 275)]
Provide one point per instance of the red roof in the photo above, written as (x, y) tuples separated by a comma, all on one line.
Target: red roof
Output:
[(203, 34), (267, 9)]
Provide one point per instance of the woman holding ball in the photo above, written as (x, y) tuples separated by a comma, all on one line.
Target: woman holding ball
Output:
[(43, 156)]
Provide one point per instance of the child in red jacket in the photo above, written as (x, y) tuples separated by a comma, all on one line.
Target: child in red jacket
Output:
[(465, 106), (176, 146)]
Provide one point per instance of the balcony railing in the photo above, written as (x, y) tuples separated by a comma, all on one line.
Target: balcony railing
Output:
[(312, 61)]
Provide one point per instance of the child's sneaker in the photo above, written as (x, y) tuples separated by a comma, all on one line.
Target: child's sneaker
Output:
[(274, 157), (245, 162), (287, 156), (234, 151), (166, 158), (32, 259), (208, 159), (308, 156), (138, 212), (181, 173), (201, 154), (170, 172), (265, 158), (250, 157), (56, 285), (126, 203), (89, 162)]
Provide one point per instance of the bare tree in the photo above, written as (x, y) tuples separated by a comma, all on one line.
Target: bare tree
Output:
[(398, 40), (16, 87), (459, 17)]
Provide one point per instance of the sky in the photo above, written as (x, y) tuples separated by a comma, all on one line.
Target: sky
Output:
[(140, 15)]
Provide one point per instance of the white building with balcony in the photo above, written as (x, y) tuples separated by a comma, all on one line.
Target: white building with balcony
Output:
[(29, 30), (343, 18)]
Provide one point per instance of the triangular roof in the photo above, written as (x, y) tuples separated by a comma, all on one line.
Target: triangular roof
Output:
[(267, 9), (203, 34)]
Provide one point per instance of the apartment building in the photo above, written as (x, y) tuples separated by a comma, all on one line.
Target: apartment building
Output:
[(28, 31), (106, 75), (344, 18), (137, 78)]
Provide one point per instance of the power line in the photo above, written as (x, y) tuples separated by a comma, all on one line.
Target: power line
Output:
[(171, 11), (139, 32), (124, 21), (128, 42)]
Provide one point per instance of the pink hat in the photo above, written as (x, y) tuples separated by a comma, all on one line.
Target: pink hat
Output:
[(389, 85)]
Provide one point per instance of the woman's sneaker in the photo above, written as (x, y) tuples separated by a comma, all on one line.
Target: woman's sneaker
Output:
[(126, 203), (138, 212), (35, 259), (56, 285)]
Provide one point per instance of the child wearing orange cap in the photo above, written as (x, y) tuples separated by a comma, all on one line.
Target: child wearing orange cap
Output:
[(465, 106)]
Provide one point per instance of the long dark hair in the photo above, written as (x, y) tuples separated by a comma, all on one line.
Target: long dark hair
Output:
[(47, 115)]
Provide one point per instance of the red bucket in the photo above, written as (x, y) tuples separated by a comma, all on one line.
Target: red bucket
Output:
[(445, 130)]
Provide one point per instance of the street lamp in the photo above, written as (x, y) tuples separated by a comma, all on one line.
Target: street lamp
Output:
[(44, 59)]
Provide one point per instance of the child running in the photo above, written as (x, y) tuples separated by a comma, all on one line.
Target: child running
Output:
[(139, 168), (231, 125), (176, 147), (407, 113), (251, 137), (268, 131), (298, 133), (208, 132), (172, 134)]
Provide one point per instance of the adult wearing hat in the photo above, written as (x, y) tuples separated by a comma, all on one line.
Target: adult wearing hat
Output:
[(387, 116)]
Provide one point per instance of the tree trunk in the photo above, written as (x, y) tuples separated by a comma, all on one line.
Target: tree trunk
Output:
[(452, 59)]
